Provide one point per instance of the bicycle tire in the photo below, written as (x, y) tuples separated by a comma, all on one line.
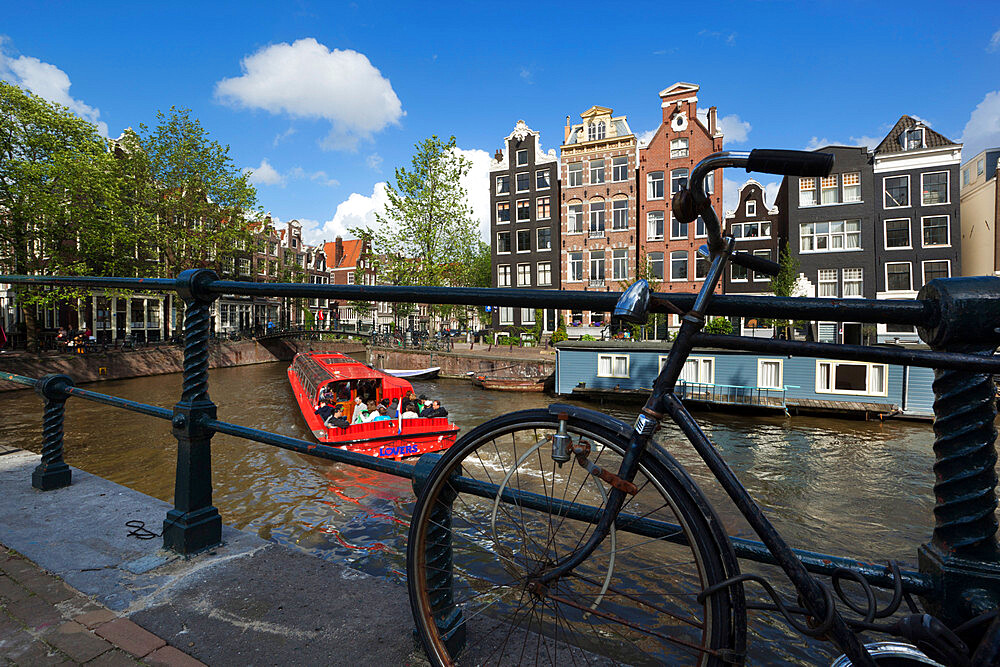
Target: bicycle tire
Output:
[(598, 626)]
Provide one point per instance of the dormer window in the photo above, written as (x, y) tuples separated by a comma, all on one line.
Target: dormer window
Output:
[(596, 131), (751, 208), (913, 139)]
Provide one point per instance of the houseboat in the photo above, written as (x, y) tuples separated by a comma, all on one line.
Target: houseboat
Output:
[(732, 379), (345, 379)]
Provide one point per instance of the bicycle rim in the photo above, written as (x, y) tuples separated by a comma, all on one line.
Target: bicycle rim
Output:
[(633, 601)]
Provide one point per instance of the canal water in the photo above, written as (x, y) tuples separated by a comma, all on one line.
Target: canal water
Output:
[(845, 487)]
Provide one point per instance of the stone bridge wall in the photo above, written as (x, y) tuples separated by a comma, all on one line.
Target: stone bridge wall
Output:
[(458, 365)]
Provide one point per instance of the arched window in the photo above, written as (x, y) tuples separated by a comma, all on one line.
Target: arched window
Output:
[(601, 130)]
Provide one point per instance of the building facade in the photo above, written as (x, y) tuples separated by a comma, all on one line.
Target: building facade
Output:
[(679, 143), (599, 245), (758, 230), (832, 233), (525, 223), (917, 221), (980, 210)]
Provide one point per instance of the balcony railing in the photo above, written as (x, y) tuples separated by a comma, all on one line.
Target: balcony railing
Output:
[(596, 282)]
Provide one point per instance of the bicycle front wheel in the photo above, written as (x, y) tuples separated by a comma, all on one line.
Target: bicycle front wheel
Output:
[(497, 510)]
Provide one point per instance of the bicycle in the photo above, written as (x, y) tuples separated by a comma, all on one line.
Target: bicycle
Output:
[(513, 556)]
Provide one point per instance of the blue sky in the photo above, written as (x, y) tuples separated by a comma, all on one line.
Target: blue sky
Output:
[(324, 100)]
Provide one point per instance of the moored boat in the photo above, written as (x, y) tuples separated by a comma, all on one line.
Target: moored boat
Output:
[(346, 379), (530, 384), (415, 374)]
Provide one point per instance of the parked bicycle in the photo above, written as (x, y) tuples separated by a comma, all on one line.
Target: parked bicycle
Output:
[(565, 536)]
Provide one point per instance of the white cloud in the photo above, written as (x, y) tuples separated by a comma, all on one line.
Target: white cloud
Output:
[(816, 142), (374, 162), (265, 174), (735, 131), (526, 74), (868, 142), (305, 79), (315, 176), (645, 137), (983, 129), (50, 82), (278, 138), (994, 44), (477, 186)]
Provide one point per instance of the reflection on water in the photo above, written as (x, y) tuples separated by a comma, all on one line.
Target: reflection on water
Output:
[(844, 487)]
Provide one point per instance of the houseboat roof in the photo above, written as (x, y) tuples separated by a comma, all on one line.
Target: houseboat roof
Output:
[(664, 346)]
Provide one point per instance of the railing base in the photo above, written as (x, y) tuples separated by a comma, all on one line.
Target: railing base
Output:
[(962, 588), (188, 533), (51, 476)]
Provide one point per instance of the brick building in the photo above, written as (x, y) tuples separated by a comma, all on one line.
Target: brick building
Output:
[(597, 204), (679, 143)]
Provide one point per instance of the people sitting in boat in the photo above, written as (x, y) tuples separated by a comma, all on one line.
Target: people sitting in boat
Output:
[(381, 414), (372, 412), (337, 419), (410, 412), (390, 408), (343, 391), (326, 395), (360, 412), (435, 410)]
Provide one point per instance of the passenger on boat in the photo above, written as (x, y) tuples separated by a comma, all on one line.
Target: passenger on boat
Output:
[(411, 412), (380, 414), (434, 411), (337, 419), (360, 412)]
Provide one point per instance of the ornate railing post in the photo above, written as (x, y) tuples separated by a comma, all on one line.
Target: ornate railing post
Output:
[(194, 524), (52, 472), (963, 556), (447, 616)]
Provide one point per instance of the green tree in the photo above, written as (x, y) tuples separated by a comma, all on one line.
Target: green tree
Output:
[(427, 235), (202, 205), (783, 284), (644, 271), (719, 325), (59, 197)]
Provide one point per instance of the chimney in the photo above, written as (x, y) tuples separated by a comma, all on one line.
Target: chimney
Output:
[(566, 131), (713, 120), (339, 251), (498, 155)]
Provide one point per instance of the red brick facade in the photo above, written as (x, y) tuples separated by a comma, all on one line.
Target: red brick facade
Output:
[(681, 141)]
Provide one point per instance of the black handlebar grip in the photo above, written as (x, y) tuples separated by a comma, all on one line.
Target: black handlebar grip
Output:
[(754, 263), (790, 163)]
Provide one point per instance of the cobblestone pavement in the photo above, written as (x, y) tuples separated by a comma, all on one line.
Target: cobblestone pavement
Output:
[(43, 621)]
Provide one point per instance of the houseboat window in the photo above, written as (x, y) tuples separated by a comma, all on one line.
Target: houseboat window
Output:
[(697, 370), (612, 365), (840, 377), (769, 374)]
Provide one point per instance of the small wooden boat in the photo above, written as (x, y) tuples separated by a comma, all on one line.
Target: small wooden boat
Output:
[(512, 384), (415, 374), (346, 378)]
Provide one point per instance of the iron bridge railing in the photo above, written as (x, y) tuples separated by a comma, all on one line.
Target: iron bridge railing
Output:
[(958, 317)]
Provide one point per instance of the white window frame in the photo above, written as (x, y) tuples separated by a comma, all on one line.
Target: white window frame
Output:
[(569, 267), (702, 363), (828, 281), (506, 315), (687, 266), (509, 244), (538, 203), (612, 358), (751, 208), (574, 218), (733, 267), (598, 216), (543, 278), (679, 147), (649, 216), (759, 277), (523, 173), (885, 234), (947, 232), (499, 204), (650, 189), (523, 153), (844, 186), (835, 188), (538, 244), (517, 210), (814, 189), (615, 210), (517, 241), (617, 261), (663, 267), (527, 316), (887, 265), (501, 178), (616, 165), (833, 363), (524, 271), (503, 275), (909, 192), (571, 172), (781, 373), (548, 179), (906, 136), (947, 187), (685, 225), (923, 268), (596, 170), (675, 175), (601, 261), (844, 281)]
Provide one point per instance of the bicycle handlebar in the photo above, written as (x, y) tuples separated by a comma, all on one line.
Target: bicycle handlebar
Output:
[(754, 263), (692, 201)]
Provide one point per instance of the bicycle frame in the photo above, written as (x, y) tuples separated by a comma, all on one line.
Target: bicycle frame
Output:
[(663, 401)]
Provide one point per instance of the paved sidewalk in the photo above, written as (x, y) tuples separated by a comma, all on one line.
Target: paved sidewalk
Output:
[(44, 621)]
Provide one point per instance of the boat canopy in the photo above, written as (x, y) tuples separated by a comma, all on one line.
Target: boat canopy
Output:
[(315, 371)]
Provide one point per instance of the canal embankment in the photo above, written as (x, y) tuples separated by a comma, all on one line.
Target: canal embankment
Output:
[(160, 359), (248, 601), (464, 361)]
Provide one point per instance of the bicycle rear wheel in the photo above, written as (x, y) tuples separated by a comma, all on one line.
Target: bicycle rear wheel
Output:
[(481, 531)]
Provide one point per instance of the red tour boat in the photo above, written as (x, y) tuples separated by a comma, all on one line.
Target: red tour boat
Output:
[(345, 378)]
